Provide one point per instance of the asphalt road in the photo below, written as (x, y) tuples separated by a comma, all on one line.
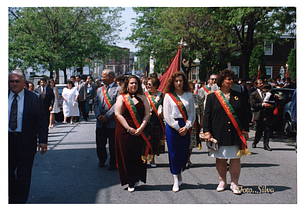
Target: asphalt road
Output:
[(68, 174)]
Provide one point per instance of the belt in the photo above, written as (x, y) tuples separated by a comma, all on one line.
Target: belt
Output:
[(15, 134)]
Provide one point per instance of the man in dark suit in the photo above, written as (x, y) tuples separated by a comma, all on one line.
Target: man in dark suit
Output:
[(245, 93), (82, 90), (106, 123), (47, 93), (256, 102), (27, 119)]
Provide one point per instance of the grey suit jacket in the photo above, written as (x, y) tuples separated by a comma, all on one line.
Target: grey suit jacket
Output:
[(101, 108), (256, 104), (82, 90)]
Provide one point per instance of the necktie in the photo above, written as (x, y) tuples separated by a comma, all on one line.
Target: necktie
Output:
[(43, 92), (107, 87), (13, 124), (262, 94)]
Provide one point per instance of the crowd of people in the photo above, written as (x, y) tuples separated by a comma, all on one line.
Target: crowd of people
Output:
[(137, 120)]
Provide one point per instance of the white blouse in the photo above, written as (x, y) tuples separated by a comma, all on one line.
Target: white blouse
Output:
[(171, 111)]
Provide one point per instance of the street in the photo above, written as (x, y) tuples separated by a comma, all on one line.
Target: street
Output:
[(68, 174)]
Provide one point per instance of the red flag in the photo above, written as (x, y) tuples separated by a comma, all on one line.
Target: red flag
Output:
[(287, 73), (258, 74), (174, 66)]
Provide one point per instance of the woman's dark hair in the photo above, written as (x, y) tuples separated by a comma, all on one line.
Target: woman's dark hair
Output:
[(267, 86), (70, 82), (169, 87), (51, 80), (125, 85), (224, 74), (155, 81)]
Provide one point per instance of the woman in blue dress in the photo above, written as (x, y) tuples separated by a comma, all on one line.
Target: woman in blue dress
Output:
[(179, 113)]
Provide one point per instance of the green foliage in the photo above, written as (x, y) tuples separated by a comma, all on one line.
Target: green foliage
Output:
[(61, 37), (292, 63), (217, 33), (257, 59)]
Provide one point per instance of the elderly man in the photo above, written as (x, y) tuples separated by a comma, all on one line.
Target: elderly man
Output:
[(209, 88), (27, 122), (104, 106)]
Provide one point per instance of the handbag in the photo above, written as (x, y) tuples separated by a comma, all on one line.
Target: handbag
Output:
[(91, 101), (212, 144), (74, 103)]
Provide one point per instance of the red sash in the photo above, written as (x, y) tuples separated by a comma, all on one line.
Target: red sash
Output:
[(106, 97), (155, 109), (147, 149), (235, 121), (207, 89), (180, 106)]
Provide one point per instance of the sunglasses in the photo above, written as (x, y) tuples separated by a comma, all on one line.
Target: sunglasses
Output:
[(14, 81)]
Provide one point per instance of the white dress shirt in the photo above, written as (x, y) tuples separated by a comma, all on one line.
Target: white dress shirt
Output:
[(171, 111), (20, 100)]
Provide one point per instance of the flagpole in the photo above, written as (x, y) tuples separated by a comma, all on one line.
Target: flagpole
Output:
[(181, 43)]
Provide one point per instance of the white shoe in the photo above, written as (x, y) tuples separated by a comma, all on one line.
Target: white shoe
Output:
[(236, 190), (130, 189), (153, 165), (176, 184), (219, 189), (175, 188)]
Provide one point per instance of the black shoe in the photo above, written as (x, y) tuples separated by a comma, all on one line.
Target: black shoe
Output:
[(100, 164), (253, 145), (112, 167), (267, 148)]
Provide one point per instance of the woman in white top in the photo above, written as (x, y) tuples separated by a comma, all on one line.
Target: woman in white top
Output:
[(70, 104), (56, 103), (179, 113)]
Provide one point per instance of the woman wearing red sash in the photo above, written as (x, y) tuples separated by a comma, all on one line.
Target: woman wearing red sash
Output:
[(155, 123), (129, 139), (179, 113), (221, 125)]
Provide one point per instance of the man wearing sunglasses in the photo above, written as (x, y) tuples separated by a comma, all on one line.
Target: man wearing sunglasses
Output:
[(209, 88)]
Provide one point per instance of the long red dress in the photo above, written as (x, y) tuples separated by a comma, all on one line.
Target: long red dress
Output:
[(129, 149)]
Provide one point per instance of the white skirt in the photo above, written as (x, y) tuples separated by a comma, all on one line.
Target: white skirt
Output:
[(225, 152)]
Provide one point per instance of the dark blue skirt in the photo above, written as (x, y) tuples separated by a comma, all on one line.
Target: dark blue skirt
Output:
[(178, 148)]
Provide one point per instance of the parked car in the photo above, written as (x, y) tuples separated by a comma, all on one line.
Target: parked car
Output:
[(283, 96), (289, 124), (59, 116)]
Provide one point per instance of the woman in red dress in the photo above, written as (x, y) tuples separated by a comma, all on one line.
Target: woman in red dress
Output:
[(129, 141)]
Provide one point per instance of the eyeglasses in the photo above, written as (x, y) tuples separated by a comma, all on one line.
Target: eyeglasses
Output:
[(213, 79), (149, 84), (14, 81)]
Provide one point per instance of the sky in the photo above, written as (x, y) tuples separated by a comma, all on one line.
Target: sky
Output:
[(126, 29)]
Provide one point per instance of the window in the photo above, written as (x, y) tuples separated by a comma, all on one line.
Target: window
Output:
[(236, 70), (268, 47), (269, 70)]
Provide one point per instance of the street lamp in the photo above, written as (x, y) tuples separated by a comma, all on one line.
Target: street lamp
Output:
[(197, 62)]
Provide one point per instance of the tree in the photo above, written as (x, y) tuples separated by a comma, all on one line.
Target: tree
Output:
[(157, 31), (292, 63), (60, 37), (257, 59), (252, 25), (219, 34)]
